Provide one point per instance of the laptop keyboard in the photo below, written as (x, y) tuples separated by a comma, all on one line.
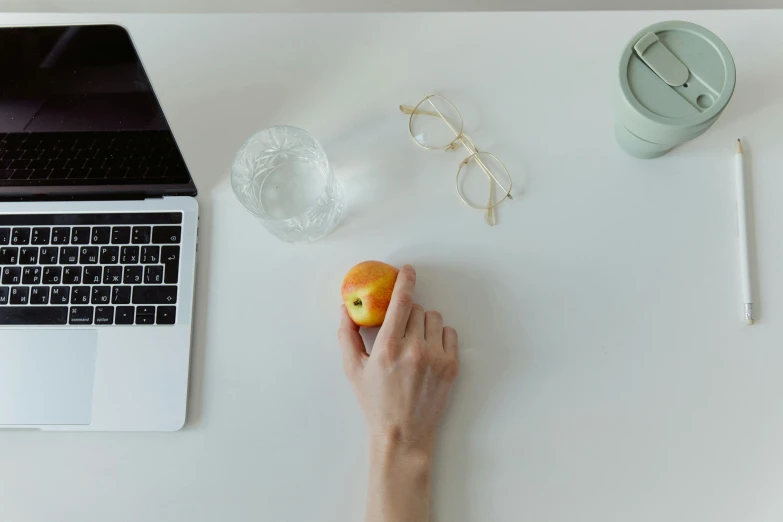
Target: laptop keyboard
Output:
[(89, 269), (73, 157)]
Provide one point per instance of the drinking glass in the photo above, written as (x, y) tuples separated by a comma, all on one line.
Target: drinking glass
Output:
[(282, 176)]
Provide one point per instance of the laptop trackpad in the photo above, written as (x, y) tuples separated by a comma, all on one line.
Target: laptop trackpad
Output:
[(46, 376)]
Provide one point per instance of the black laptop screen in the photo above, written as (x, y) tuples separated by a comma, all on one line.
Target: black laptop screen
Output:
[(77, 109)]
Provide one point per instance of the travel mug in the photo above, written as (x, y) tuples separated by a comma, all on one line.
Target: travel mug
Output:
[(675, 79)]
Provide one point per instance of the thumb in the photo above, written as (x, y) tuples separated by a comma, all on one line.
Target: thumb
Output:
[(352, 344)]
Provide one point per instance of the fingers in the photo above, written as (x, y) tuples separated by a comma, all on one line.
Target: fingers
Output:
[(401, 304), (352, 344), (415, 328), (433, 328), (450, 342)]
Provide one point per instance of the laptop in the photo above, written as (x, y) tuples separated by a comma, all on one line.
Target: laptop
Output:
[(98, 229)]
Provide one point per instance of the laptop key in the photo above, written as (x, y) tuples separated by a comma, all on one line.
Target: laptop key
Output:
[(72, 275), (112, 275), (59, 164), (166, 295), (12, 275), (169, 256), (8, 255), (104, 315), (150, 255), (20, 164), (31, 275), (95, 164), (60, 295), (33, 315), (4, 291), (132, 275), (20, 295), (167, 315), (80, 236), (81, 315), (40, 173), (153, 275), (61, 235), (28, 255), (91, 275), (5, 236), (39, 295), (145, 315), (6, 173), (69, 255), (39, 164), (120, 235), (22, 174), (49, 255), (140, 235), (58, 173), (124, 315), (129, 255), (20, 236), (41, 236), (101, 235), (51, 275), (101, 295), (88, 256), (166, 235), (80, 295), (121, 295), (110, 255)]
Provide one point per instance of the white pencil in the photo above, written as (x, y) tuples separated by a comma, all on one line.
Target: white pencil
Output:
[(739, 162)]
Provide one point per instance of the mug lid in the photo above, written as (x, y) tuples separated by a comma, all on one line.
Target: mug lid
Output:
[(677, 74)]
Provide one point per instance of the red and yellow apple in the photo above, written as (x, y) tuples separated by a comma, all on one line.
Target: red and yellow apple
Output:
[(367, 290)]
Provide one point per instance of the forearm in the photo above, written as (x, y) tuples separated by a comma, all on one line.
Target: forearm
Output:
[(400, 488)]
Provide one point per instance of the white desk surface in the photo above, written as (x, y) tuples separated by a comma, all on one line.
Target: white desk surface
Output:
[(607, 375)]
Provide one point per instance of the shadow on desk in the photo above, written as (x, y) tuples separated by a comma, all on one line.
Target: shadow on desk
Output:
[(200, 314), (473, 303)]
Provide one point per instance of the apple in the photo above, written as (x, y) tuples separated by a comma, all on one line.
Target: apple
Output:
[(367, 289)]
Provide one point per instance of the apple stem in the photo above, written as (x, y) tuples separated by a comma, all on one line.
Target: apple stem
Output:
[(358, 302)]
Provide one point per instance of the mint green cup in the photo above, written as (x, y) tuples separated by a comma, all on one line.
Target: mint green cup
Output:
[(675, 79)]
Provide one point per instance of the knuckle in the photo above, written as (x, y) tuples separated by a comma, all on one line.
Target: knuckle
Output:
[(450, 336), (386, 357), (434, 314), (405, 300), (417, 307), (418, 345), (341, 335), (451, 370), (417, 360), (407, 276)]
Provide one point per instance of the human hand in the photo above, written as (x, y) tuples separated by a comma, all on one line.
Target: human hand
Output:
[(403, 386)]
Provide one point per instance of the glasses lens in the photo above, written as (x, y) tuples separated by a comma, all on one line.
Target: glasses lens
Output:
[(475, 185), (435, 123)]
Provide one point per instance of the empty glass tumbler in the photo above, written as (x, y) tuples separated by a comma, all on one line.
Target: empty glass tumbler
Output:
[(282, 175)]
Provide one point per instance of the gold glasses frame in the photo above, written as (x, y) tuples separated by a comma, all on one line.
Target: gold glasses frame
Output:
[(428, 108)]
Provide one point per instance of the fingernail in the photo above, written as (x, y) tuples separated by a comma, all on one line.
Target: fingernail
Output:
[(410, 269)]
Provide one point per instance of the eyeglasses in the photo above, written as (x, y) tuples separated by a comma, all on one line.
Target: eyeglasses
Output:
[(436, 124)]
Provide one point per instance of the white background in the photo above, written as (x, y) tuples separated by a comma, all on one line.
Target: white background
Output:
[(288, 6), (607, 374)]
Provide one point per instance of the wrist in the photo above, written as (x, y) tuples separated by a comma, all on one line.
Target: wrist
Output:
[(392, 450)]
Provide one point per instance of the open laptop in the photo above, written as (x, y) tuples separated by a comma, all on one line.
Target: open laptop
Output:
[(98, 228)]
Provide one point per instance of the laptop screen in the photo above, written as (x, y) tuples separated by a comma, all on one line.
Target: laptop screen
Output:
[(77, 109)]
